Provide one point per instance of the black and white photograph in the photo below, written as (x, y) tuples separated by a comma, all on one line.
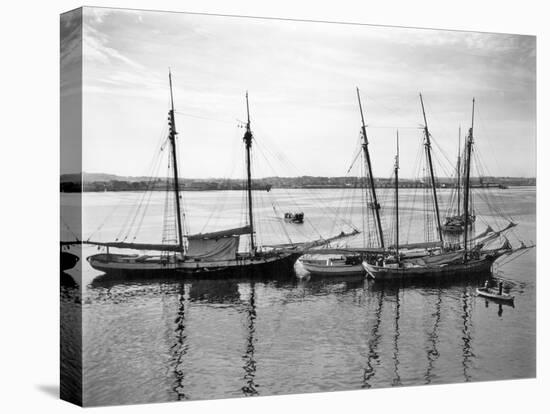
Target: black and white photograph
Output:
[(259, 206)]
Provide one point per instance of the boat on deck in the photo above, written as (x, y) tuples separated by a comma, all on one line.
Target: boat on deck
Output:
[(455, 224), (455, 220)]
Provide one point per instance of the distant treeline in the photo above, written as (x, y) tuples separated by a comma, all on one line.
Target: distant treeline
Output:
[(73, 183), (157, 185)]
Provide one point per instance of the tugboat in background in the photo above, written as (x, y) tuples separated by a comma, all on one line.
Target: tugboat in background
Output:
[(296, 218)]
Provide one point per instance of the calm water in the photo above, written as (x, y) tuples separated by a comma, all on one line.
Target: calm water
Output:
[(164, 340)]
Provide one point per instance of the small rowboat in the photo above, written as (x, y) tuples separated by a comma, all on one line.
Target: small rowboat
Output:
[(493, 294)]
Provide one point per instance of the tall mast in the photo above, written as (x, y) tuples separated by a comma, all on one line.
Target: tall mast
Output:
[(248, 144), (468, 156), (458, 173), (428, 146), (173, 133), (365, 146), (397, 200)]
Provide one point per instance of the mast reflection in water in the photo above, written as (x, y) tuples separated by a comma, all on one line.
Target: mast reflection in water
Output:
[(249, 362), (179, 349), (312, 335), (153, 340)]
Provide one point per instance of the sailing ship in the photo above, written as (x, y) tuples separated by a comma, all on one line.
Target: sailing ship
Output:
[(440, 259), (349, 261), (454, 224), (202, 254)]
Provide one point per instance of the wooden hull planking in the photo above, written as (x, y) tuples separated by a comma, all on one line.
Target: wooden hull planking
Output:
[(333, 269), (134, 266), (473, 267)]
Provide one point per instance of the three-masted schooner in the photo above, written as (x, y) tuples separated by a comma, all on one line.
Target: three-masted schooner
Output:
[(441, 259), (202, 254)]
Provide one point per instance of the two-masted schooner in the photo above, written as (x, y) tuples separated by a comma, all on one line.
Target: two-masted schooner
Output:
[(202, 254)]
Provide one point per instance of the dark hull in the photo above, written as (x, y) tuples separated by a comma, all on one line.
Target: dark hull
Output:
[(272, 268), (294, 220), (68, 261), (472, 268)]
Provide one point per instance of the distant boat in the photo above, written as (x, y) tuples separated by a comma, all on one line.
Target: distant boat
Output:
[(202, 254), (297, 218)]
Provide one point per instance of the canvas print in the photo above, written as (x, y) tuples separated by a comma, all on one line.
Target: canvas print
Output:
[(256, 206)]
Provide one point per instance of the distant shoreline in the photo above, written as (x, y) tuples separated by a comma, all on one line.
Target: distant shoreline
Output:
[(96, 182), (126, 190)]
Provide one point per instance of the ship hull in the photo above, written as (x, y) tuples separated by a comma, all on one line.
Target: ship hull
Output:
[(319, 269), (473, 267), (68, 260), (133, 266), (487, 293)]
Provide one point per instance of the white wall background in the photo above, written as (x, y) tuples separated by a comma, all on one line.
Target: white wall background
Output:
[(29, 148)]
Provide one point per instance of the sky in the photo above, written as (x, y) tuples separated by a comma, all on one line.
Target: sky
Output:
[(301, 79)]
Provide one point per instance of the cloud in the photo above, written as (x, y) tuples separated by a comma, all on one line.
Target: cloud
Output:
[(71, 52), (302, 78), (97, 50)]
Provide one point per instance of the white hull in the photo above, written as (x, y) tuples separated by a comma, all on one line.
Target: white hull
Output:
[(330, 267), (494, 295)]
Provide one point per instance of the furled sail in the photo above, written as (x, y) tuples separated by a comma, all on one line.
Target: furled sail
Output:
[(422, 245), (438, 259), (212, 249), (218, 245), (304, 247), (219, 234)]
